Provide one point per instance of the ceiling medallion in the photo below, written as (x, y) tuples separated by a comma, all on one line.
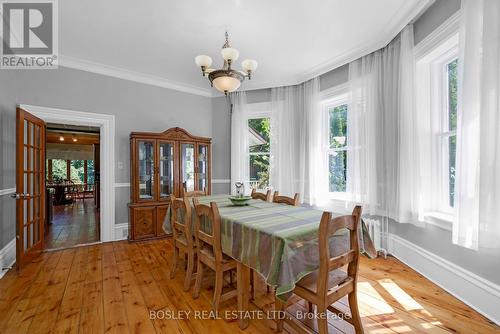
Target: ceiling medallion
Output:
[(226, 80)]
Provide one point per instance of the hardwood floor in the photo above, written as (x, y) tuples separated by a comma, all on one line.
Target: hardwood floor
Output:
[(112, 288), (73, 224)]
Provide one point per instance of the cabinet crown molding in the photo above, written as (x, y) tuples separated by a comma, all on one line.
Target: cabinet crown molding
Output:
[(171, 134)]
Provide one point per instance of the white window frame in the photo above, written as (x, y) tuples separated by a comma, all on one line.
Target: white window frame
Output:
[(255, 111), (431, 57), (334, 97)]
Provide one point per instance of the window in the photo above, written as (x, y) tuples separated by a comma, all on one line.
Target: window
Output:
[(259, 151), (449, 130), (337, 152), (59, 170), (436, 101), (335, 107)]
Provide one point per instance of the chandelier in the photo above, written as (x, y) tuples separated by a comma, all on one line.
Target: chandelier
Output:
[(227, 79)]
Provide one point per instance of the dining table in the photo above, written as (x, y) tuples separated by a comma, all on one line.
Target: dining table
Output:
[(278, 241)]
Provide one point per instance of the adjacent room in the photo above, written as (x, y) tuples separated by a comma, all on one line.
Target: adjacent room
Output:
[(71, 186), (250, 166)]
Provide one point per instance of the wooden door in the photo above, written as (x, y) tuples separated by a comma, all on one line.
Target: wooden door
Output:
[(187, 162), (167, 169), (145, 186), (30, 186), (202, 167)]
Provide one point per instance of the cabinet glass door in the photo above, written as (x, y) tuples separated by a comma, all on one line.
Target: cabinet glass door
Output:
[(145, 177), (202, 170), (166, 171), (188, 164)]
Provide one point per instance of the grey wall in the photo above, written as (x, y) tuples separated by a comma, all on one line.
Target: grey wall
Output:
[(137, 107)]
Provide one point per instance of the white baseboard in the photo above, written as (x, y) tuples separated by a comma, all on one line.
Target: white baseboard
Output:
[(121, 231), (475, 291), (7, 257)]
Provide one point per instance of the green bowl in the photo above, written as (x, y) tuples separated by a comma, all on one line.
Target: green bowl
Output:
[(239, 201)]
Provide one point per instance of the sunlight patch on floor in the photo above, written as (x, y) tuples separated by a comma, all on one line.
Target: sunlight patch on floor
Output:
[(400, 295), (371, 302)]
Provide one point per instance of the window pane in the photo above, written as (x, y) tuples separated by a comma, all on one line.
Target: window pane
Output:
[(338, 126), (452, 148), (258, 134), (259, 170), (77, 171), (90, 171), (452, 95), (337, 162), (59, 170)]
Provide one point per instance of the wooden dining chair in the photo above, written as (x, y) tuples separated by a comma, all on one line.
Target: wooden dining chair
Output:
[(194, 193), (265, 197), (182, 237), (330, 283), (277, 198), (209, 250)]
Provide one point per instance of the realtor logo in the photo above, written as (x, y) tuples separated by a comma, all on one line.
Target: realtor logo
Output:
[(29, 34)]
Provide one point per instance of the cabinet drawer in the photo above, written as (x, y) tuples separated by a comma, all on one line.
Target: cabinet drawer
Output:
[(144, 220)]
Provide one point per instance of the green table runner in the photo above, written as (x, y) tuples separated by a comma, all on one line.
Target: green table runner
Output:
[(278, 241)]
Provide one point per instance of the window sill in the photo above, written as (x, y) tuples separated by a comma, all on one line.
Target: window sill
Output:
[(439, 219)]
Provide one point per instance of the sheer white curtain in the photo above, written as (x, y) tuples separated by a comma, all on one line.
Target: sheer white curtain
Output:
[(297, 164), (477, 222), (382, 168), (240, 167)]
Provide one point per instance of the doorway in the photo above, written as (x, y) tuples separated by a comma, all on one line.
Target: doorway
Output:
[(72, 191), (30, 188)]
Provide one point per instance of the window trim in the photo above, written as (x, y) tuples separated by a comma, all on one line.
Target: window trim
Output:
[(332, 98), (431, 58)]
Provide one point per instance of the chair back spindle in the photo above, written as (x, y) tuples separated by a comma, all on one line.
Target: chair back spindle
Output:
[(208, 235)]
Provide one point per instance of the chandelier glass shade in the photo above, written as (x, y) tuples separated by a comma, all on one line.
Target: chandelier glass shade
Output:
[(227, 79)]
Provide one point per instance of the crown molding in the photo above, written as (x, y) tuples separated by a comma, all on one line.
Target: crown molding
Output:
[(403, 16), (442, 33), (121, 73)]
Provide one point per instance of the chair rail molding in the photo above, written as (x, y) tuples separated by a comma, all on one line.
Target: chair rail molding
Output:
[(107, 125), (221, 181), (7, 191), (475, 291), (7, 257)]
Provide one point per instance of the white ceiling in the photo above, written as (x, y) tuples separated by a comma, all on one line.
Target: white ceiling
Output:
[(155, 41)]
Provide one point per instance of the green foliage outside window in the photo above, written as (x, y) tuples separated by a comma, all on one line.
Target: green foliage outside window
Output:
[(259, 154), (337, 160), (452, 126)]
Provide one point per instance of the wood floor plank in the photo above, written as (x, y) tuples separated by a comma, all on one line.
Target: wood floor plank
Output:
[(68, 319), (115, 317), (49, 304), (113, 287), (92, 311)]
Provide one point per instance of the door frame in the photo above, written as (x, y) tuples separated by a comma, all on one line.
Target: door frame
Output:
[(106, 123)]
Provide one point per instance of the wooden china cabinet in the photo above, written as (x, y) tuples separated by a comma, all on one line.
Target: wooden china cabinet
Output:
[(162, 164)]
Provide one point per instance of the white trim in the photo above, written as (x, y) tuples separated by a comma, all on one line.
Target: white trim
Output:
[(475, 291), (7, 257), (445, 31), (333, 92), (220, 181), (122, 185), (107, 126), (119, 230), (121, 73), (7, 191), (403, 16)]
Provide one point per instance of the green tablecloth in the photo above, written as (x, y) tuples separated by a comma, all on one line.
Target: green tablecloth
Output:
[(278, 241)]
